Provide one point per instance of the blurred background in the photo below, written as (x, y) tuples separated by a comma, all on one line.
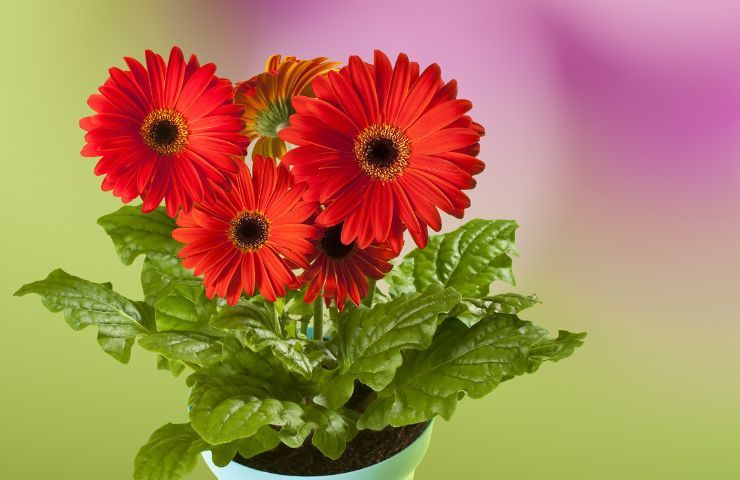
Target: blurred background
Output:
[(613, 138)]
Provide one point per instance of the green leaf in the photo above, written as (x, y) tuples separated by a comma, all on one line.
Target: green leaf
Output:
[(228, 408), (222, 455), (119, 320), (184, 307), (241, 360), (468, 259), (175, 367), (236, 407), (188, 347), (464, 360), (260, 329), (160, 271), (471, 310), (370, 341), (554, 349), (511, 303), (264, 440), (171, 452), (177, 295), (135, 233), (332, 429)]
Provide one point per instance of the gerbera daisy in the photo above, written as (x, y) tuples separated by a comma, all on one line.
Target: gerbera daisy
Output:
[(251, 235), (164, 131), (384, 148), (267, 99), (342, 270)]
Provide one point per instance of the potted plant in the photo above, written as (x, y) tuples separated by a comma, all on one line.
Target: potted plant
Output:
[(260, 275)]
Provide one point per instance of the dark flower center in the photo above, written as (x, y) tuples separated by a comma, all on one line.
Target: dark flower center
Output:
[(165, 131), (382, 151), (249, 231), (332, 244)]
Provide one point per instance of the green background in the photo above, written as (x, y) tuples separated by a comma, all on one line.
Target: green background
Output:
[(654, 393)]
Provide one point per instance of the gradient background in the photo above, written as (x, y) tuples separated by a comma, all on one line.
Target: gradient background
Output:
[(613, 137)]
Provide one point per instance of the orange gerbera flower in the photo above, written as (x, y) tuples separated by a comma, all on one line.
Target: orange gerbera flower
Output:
[(251, 235), (267, 99)]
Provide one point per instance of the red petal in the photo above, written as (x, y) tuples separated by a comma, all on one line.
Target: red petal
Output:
[(195, 86), (444, 94), (310, 129), (209, 143), (405, 210), (125, 82), (175, 77), (383, 75), (445, 140), (382, 207), (348, 98), (346, 202), (324, 91), (333, 117), (192, 67), (209, 101), (398, 89), (215, 123), (365, 87), (438, 117), (468, 163), (419, 195), (442, 169), (419, 96), (156, 69)]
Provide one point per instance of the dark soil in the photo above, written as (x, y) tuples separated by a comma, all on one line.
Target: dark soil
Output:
[(367, 448)]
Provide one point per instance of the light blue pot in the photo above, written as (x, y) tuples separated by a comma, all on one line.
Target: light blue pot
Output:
[(400, 466)]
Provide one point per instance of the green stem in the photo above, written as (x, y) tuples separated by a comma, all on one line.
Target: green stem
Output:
[(275, 319), (318, 319), (368, 301)]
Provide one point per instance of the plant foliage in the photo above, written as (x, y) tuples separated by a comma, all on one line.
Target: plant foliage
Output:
[(257, 379)]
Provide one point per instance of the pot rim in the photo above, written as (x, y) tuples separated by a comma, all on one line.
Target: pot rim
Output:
[(424, 437)]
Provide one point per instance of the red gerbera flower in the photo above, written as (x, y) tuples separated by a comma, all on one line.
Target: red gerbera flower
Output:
[(251, 235), (384, 147), (164, 131), (340, 269)]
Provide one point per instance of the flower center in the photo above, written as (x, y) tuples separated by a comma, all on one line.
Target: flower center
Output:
[(249, 231), (383, 151), (271, 118), (165, 131), (332, 244)]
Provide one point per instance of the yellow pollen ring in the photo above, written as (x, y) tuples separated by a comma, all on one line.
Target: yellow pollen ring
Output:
[(165, 131), (382, 151)]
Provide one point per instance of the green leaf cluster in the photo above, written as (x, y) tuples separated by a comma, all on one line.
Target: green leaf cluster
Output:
[(435, 335)]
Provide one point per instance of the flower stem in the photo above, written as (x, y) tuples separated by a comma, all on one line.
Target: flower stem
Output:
[(368, 301), (318, 319), (277, 310)]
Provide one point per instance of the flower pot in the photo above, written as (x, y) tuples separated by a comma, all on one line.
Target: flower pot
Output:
[(400, 466)]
